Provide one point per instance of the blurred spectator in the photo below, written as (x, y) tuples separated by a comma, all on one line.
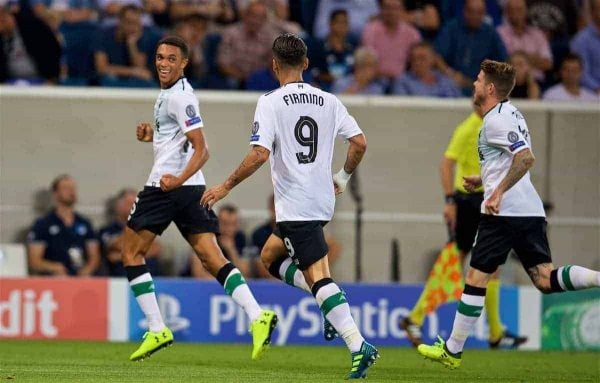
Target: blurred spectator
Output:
[(517, 35), (110, 10), (364, 79), (121, 58), (338, 49), (111, 237), (422, 79), (63, 242), (218, 11), (570, 88), (193, 30), (425, 15), (359, 12), (390, 38), (454, 9), (30, 51), (264, 79), (465, 43), (55, 12), (586, 44), (246, 45), (232, 242), (526, 85), (278, 15), (556, 18), (159, 12)]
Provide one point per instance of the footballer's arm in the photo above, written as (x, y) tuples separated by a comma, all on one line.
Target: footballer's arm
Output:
[(255, 158), (144, 132), (196, 139), (356, 151)]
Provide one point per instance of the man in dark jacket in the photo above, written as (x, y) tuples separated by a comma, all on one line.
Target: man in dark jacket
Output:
[(29, 49)]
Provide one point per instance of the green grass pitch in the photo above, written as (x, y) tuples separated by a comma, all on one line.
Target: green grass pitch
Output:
[(63, 361)]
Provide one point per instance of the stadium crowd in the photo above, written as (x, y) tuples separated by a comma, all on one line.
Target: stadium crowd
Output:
[(410, 47)]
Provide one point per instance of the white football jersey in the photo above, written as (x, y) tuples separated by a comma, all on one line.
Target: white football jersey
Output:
[(504, 134), (298, 124), (176, 112)]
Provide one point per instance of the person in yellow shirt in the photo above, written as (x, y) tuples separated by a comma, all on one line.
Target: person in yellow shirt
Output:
[(461, 213)]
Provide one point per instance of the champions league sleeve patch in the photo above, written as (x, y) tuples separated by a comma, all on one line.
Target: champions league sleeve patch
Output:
[(516, 145), (254, 136), (512, 137), (193, 117), (190, 110)]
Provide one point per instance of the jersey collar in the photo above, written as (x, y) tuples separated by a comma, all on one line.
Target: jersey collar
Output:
[(182, 79)]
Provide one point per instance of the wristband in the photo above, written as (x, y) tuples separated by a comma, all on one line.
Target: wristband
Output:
[(449, 199), (341, 178)]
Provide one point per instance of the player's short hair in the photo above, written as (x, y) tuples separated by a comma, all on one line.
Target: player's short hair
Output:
[(289, 50), (501, 74), (56, 181), (178, 42)]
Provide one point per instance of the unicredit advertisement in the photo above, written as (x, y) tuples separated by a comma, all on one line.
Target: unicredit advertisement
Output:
[(41, 308)]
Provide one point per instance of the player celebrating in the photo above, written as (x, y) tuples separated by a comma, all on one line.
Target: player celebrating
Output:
[(172, 194), (295, 126), (513, 215), (461, 213)]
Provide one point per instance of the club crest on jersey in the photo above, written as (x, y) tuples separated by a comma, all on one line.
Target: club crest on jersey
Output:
[(513, 137), (190, 110), (255, 136)]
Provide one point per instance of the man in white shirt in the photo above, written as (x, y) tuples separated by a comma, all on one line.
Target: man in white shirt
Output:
[(570, 89), (172, 194), (513, 216), (295, 126)]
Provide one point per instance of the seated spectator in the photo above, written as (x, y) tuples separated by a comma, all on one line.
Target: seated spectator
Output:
[(159, 12), (364, 78), (422, 79), (111, 237), (359, 14), (570, 88), (110, 9), (63, 242), (121, 55), (55, 12), (246, 45), (193, 30), (29, 50), (232, 242), (586, 44), (337, 49), (526, 86), (264, 80), (558, 20), (424, 15), (218, 11), (454, 9), (464, 43), (518, 35), (391, 39), (278, 15)]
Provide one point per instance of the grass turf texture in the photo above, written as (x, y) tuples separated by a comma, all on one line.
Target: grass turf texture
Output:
[(63, 361)]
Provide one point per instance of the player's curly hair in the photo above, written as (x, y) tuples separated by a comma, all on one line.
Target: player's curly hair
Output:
[(289, 50), (501, 74)]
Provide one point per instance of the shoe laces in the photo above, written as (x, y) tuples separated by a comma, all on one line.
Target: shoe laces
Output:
[(440, 342)]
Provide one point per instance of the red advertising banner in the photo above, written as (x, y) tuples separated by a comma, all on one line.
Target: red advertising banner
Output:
[(50, 308)]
